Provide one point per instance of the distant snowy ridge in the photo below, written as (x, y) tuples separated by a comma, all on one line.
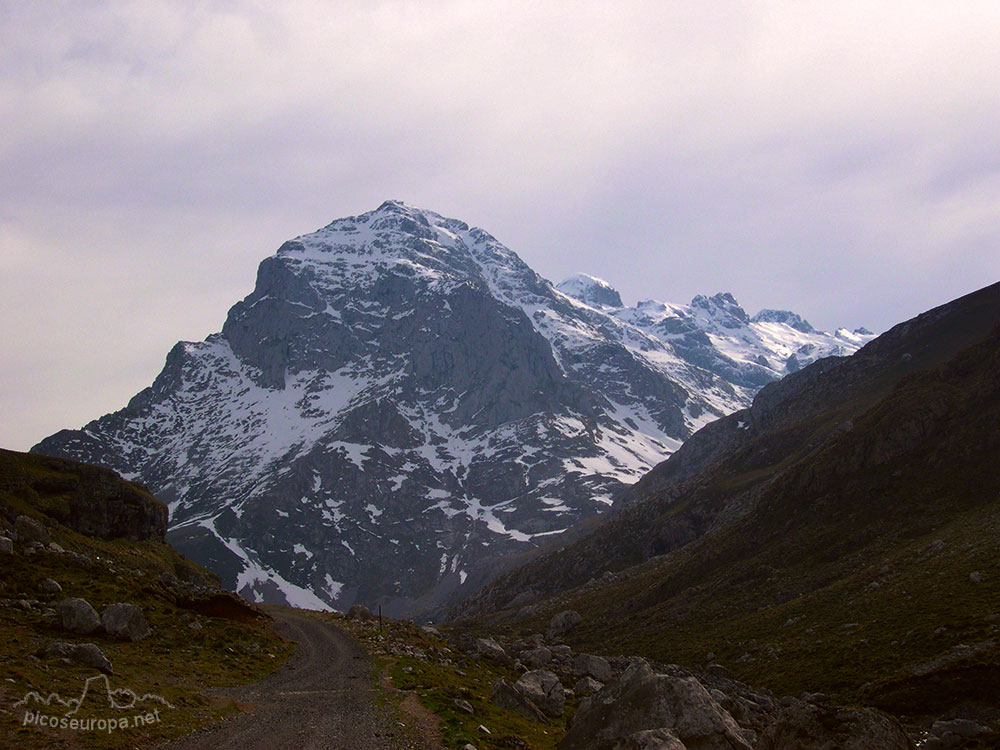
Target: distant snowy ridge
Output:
[(401, 404)]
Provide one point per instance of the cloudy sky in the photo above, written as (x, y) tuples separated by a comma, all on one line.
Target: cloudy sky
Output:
[(838, 159)]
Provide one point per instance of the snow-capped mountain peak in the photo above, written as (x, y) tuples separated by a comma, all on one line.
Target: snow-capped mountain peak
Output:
[(401, 403), (590, 290), (783, 316)]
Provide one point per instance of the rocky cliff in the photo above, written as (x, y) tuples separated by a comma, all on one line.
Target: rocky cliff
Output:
[(90, 500)]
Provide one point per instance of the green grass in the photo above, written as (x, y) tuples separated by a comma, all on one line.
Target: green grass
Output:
[(438, 683)]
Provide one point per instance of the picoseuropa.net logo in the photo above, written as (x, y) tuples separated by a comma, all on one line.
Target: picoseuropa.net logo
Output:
[(107, 710)]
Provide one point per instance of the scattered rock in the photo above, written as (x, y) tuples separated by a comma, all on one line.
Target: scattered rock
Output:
[(429, 630), (587, 685), (537, 658), (965, 728), (195, 625), (77, 616), (53, 547), (491, 650), (504, 695), (50, 586), (716, 670), (360, 612), (464, 706), (588, 665), (813, 697), (6, 546), (642, 701), (87, 654), (125, 621), (804, 726), (90, 655), (543, 688), (563, 622), (28, 529), (651, 739), (976, 577)]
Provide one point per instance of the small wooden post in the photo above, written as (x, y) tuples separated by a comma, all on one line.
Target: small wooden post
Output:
[(380, 619)]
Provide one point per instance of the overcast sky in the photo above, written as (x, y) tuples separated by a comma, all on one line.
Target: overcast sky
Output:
[(838, 159)]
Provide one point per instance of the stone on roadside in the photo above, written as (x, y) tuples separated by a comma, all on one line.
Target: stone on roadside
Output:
[(77, 616), (125, 621), (87, 654), (464, 706), (30, 530), (90, 655), (360, 612)]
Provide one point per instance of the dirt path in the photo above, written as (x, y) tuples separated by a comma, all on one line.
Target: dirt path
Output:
[(322, 698)]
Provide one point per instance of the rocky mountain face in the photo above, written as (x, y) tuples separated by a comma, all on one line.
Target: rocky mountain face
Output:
[(402, 404), (719, 475), (784, 541)]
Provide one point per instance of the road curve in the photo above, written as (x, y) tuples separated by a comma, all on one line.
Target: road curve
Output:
[(321, 699)]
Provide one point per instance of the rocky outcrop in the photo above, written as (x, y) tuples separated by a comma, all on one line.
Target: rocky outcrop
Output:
[(674, 708), (87, 654), (490, 649), (28, 529), (125, 622), (562, 623), (805, 726), (507, 696), (544, 690), (588, 665), (78, 616), (360, 612), (642, 701), (91, 500)]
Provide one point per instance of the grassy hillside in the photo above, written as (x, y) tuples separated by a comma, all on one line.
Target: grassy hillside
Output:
[(178, 662), (852, 550)]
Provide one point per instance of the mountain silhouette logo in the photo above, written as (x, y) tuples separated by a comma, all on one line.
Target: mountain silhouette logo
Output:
[(121, 699)]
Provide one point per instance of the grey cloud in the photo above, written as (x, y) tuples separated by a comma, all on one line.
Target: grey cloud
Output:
[(837, 160)]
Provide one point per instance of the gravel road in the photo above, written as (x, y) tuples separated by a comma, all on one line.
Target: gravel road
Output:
[(321, 699)]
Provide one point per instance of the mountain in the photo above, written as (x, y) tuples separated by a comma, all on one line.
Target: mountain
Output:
[(840, 534), (401, 404)]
